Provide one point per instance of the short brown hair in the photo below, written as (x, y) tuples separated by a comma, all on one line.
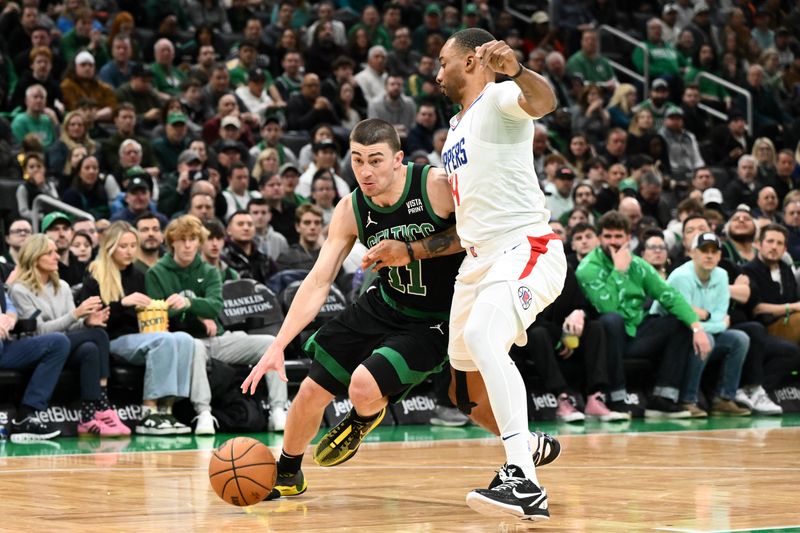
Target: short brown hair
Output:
[(614, 220), (376, 131), (306, 208), (185, 227), (774, 227)]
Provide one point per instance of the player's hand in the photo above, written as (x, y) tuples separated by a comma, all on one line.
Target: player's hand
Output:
[(385, 254), (272, 360), (497, 56)]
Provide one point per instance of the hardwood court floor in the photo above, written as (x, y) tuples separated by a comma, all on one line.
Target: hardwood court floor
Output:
[(741, 476)]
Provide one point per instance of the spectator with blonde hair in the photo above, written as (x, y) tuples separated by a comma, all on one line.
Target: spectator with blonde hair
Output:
[(620, 107), (766, 158), (167, 357), (38, 291), (267, 163)]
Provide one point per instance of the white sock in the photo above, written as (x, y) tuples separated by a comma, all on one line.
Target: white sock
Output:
[(490, 330), (146, 410)]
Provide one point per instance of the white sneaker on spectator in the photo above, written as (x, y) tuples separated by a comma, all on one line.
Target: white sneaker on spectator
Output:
[(743, 398), (566, 412), (762, 404), (206, 424), (277, 418)]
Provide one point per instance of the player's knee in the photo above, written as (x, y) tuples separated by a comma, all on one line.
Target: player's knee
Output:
[(363, 389), (311, 393)]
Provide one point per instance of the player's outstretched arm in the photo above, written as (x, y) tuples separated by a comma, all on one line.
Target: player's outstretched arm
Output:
[(312, 293), (537, 98)]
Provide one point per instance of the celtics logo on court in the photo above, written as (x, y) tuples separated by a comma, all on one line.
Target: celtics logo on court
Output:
[(525, 297)]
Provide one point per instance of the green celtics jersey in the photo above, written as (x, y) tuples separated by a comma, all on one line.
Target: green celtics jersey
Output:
[(421, 287)]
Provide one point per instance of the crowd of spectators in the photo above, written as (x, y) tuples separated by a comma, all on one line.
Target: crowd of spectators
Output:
[(228, 120)]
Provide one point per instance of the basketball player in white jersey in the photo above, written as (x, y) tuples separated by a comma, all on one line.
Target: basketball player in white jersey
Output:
[(515, 266)]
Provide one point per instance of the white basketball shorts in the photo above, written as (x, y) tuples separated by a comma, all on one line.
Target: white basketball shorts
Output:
[(531, 264)]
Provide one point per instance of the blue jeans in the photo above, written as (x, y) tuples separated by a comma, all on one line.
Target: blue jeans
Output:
[(167, 358), (47, 353), (89, 352), (732, 345)]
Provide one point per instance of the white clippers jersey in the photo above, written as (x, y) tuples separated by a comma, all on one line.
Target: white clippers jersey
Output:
[(488, 157)]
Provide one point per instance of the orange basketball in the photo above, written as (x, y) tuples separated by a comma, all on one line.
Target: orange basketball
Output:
[(242, 471)]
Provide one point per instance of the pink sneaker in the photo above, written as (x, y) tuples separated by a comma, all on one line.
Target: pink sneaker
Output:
[(97, 428), (566, 412), (110, 418), (596, 409)]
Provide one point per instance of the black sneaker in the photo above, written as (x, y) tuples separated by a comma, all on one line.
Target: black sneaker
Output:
[(288, 485), (341, 442), (659, 407), (636, 411), (516, 495), (154, 424), (547, 450), (178, 428), (31, 429)]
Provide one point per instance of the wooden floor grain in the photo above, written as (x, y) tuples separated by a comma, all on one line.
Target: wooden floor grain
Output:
[(682, 481)]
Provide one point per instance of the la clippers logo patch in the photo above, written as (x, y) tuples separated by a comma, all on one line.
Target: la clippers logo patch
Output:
[(525, 297)]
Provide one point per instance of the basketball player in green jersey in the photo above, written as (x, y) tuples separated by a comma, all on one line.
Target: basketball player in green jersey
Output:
[(396, 333)]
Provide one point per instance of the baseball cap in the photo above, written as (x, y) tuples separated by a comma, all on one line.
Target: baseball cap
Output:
[(256, 74), (84, 57), (176, 117), (659, 83), (56, 216), (231, 120), (189, 156), (701, 7), (669, 8), (325, 144), (139, 183), (433, 9), (471, 9), (139, 70), (712, 196), (134, 171), (674, 110), (540, 17), (629, 184), (564, 173), (705, 239), (270, 119), (288, 166), (743, 208), (230, 144)]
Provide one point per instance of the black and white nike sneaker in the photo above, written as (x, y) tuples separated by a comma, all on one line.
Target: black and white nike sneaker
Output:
[(31, 429), (516, 495), (546, 449)]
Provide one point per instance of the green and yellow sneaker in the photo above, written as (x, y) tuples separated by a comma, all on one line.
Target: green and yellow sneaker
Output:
[(341, 442), (288, 485)]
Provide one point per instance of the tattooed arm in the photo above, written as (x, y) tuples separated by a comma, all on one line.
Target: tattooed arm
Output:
[(395, 253)]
